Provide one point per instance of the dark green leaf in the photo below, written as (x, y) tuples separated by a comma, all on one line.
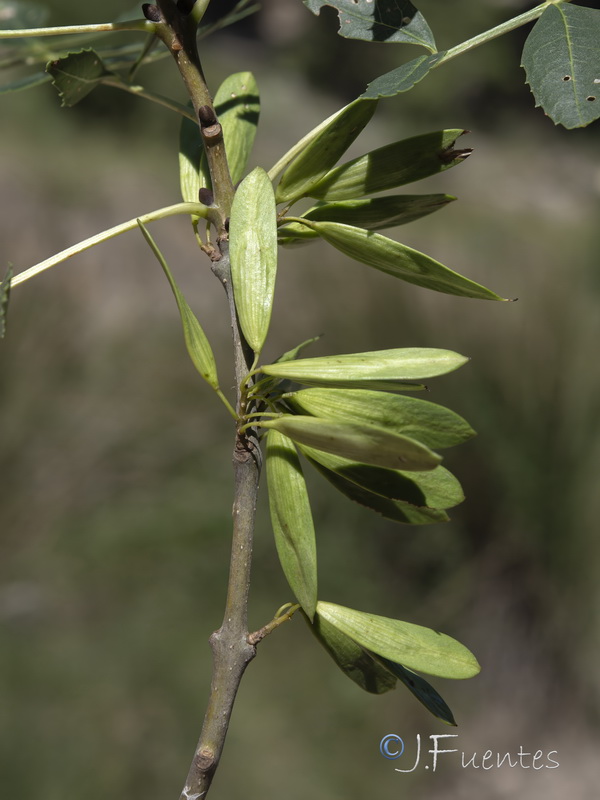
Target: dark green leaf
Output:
[(402, 78), (76, 75), (398, 22), (435, 489), (427, 422), (197, 344), (352, 659), (358, 442), (561, 58), (253, 251), (423, 691), (373, 213), (395, 510), (400, 261), (323, 151), (292, 520), (394, 165), (413, 646), (379, 369), (4, 299)]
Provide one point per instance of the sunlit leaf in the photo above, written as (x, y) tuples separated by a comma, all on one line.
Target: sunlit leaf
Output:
[(253, 250), (352, 659), (413, 646), (237, 105), (379, 369), (402, 78), (561, 58), (291, 519), (373, 213), (76, 75), (393, 165), (398, 22), (359, 442), (4, 299), (323, 151), (435, 489), (196, 342), (394, 510), (399, 260), (423, 691), (191, 150), (432, 424)]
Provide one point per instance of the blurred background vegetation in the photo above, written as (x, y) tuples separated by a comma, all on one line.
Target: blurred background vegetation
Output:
[(115, 458)]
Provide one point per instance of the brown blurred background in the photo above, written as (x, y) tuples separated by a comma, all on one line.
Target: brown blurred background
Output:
[(115, 458)]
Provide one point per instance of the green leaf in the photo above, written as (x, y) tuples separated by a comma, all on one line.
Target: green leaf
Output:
[(399, 260), (373, 213), (20, 14), (402, 78), (191, 151), (253, 251), (395, 510), (379, 369), (30, 82), (398, 22), (4, 299), (76, 75), (292, 521), (323, 151), (359, 442), (423, 691), (435, 489), (427, 422), (196, 342), (394, 165), (292, 355), (352, 659), (561, 58), (413, 646), (237, 105)]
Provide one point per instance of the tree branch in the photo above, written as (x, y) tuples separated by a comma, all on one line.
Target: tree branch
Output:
[(231, 648)]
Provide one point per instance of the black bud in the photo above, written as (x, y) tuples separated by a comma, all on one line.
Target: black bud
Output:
[(207, 117), (151, 12), (206, 197)]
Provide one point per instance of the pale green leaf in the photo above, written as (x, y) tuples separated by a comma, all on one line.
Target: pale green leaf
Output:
[(372, 213), (76, 75), (352, 659), (237, 106), (561, 58), (413, 646), (4, 300), (394, 510), (291, 519), (386, 369), (393, 165), (292, 355), (191, 150), (358, 442), (402, 78), (253, 251), (398, 22), (400, 261), (196, 342), (428, 422), (434, 489), (421, 689), (323, 151)]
